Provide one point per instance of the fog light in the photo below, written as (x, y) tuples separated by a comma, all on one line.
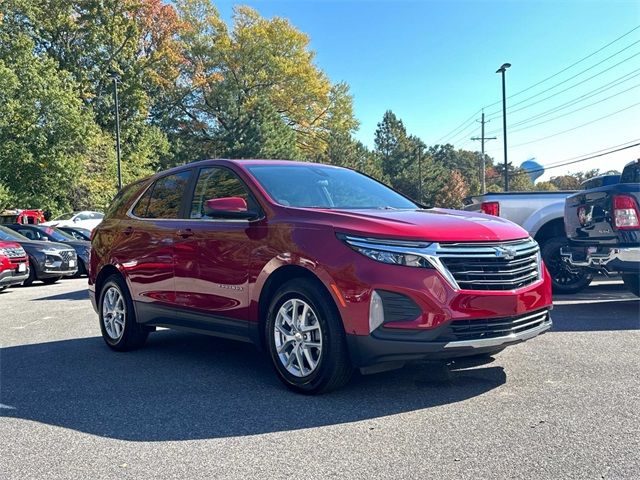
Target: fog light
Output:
[(376, 311)]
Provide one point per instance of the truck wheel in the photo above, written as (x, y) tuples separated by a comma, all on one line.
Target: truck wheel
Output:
[(564, 279), (118, 324), (305, 339), (632, 282)]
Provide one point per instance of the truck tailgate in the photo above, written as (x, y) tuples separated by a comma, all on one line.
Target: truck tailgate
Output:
[(589, 216)]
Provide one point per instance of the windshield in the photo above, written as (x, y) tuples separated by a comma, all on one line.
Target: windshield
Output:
[(66, 216), (9, 235), (320, 186)]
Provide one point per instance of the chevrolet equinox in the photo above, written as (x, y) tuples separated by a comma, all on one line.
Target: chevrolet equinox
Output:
[(323, 267)]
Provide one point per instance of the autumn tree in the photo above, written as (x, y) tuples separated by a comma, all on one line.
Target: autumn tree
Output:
[(453, 192)]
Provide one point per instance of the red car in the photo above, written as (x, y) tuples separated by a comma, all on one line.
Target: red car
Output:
[(324, 267), (14, 265)]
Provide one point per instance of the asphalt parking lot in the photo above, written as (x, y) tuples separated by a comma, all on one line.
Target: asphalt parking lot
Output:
[(564, 405)]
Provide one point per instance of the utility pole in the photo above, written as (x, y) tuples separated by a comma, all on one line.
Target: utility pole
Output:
[(115, 96), (502, 70), (420, 171), (482, 139)]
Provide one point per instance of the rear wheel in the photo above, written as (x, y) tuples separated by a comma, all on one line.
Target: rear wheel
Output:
[(632, 282), (305, 339), (50, 280), (564, 277), (118, 324)]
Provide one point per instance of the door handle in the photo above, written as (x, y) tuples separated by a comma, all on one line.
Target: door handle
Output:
[(128, 231), (187, 232)]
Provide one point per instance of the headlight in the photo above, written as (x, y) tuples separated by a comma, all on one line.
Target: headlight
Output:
[(390, 251)]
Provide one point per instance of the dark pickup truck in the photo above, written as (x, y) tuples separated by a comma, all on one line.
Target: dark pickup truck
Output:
[(603, 228)]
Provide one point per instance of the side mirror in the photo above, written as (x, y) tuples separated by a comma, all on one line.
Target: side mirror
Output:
[(76, 220), (228, 207)]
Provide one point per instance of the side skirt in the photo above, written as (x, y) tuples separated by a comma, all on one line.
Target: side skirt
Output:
[(196, 322)]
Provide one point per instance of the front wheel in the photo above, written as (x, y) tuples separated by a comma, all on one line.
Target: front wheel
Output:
[(305, 339), (118, 324), (632, 282), (564, 278)]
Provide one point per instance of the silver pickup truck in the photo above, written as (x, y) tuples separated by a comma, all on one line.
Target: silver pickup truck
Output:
[(542, 215)]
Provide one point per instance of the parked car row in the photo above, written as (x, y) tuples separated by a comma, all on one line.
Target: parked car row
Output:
[(47, 261), (85, 220)]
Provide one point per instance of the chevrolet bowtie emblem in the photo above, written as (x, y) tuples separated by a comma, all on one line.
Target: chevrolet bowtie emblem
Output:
[(508, 253)]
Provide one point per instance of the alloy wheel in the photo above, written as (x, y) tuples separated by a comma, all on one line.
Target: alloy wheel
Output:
[(298, 337), (113, 312)]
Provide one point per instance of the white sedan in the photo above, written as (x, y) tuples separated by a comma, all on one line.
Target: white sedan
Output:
[(86, 219)]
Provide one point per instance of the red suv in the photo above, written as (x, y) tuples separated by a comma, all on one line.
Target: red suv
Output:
[(14, 265), (324, 267)]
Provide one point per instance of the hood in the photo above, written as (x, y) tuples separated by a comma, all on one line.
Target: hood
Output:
[(435, 224), (42, 245)]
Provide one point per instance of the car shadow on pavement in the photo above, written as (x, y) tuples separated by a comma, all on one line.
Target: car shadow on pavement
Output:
[(77, 295), (183, 386)]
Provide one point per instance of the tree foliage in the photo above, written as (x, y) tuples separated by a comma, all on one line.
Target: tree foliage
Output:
[(191, 86)]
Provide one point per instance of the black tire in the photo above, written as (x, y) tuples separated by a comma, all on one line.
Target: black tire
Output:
[(133, 335), (32, 275), (333, 369), (2, 289), (564, 278), (632, 282), (82, 270), (50, 280)]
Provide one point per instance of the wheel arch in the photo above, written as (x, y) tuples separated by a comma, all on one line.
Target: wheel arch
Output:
[(106, 272), (553, 228), (273, 282)]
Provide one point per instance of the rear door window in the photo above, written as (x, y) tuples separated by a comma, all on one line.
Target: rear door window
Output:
[(164, 198)]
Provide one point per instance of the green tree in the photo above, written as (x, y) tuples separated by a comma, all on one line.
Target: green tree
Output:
[(546, 186), (5, 197), (44, 130), (393, 146)]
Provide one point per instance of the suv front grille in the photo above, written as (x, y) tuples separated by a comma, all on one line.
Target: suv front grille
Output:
[(499, 327), (492, 266), (14, 252), (68, 255)]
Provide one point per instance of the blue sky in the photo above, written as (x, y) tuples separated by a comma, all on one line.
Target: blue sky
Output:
[(433, 64)]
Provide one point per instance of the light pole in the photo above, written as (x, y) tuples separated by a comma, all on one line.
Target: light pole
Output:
[(501, 70), (115, 98)]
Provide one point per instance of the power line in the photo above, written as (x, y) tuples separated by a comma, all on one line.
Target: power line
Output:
[(463, 125), (580, 98), (577, 127), (575, 110), (575, 161), (496, 112), (623, 144), (569, 67)]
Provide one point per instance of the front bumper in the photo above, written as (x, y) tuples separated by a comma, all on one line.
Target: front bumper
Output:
[(451, 340), (603, 258), (12, 277)]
